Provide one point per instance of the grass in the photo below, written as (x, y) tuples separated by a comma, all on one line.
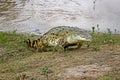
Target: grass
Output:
[(12, 46), (17, 62)]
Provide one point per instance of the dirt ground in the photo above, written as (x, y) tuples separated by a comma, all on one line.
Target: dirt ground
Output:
[(95, 64), (79, 64)]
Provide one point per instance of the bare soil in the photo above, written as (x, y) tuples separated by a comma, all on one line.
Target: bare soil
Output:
[(79, 64)]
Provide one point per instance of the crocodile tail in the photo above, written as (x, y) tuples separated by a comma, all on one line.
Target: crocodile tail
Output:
[(36, 44), (31, 43)]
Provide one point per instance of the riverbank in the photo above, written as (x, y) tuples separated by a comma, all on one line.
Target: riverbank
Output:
[(100, 61)]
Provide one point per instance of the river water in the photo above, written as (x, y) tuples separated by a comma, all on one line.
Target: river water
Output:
[(38, 16)]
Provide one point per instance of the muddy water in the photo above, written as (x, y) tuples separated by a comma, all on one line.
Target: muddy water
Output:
[(38, 16)]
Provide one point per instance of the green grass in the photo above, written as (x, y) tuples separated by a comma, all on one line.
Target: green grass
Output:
[(12, 46), (18, 62), (104, 39)]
